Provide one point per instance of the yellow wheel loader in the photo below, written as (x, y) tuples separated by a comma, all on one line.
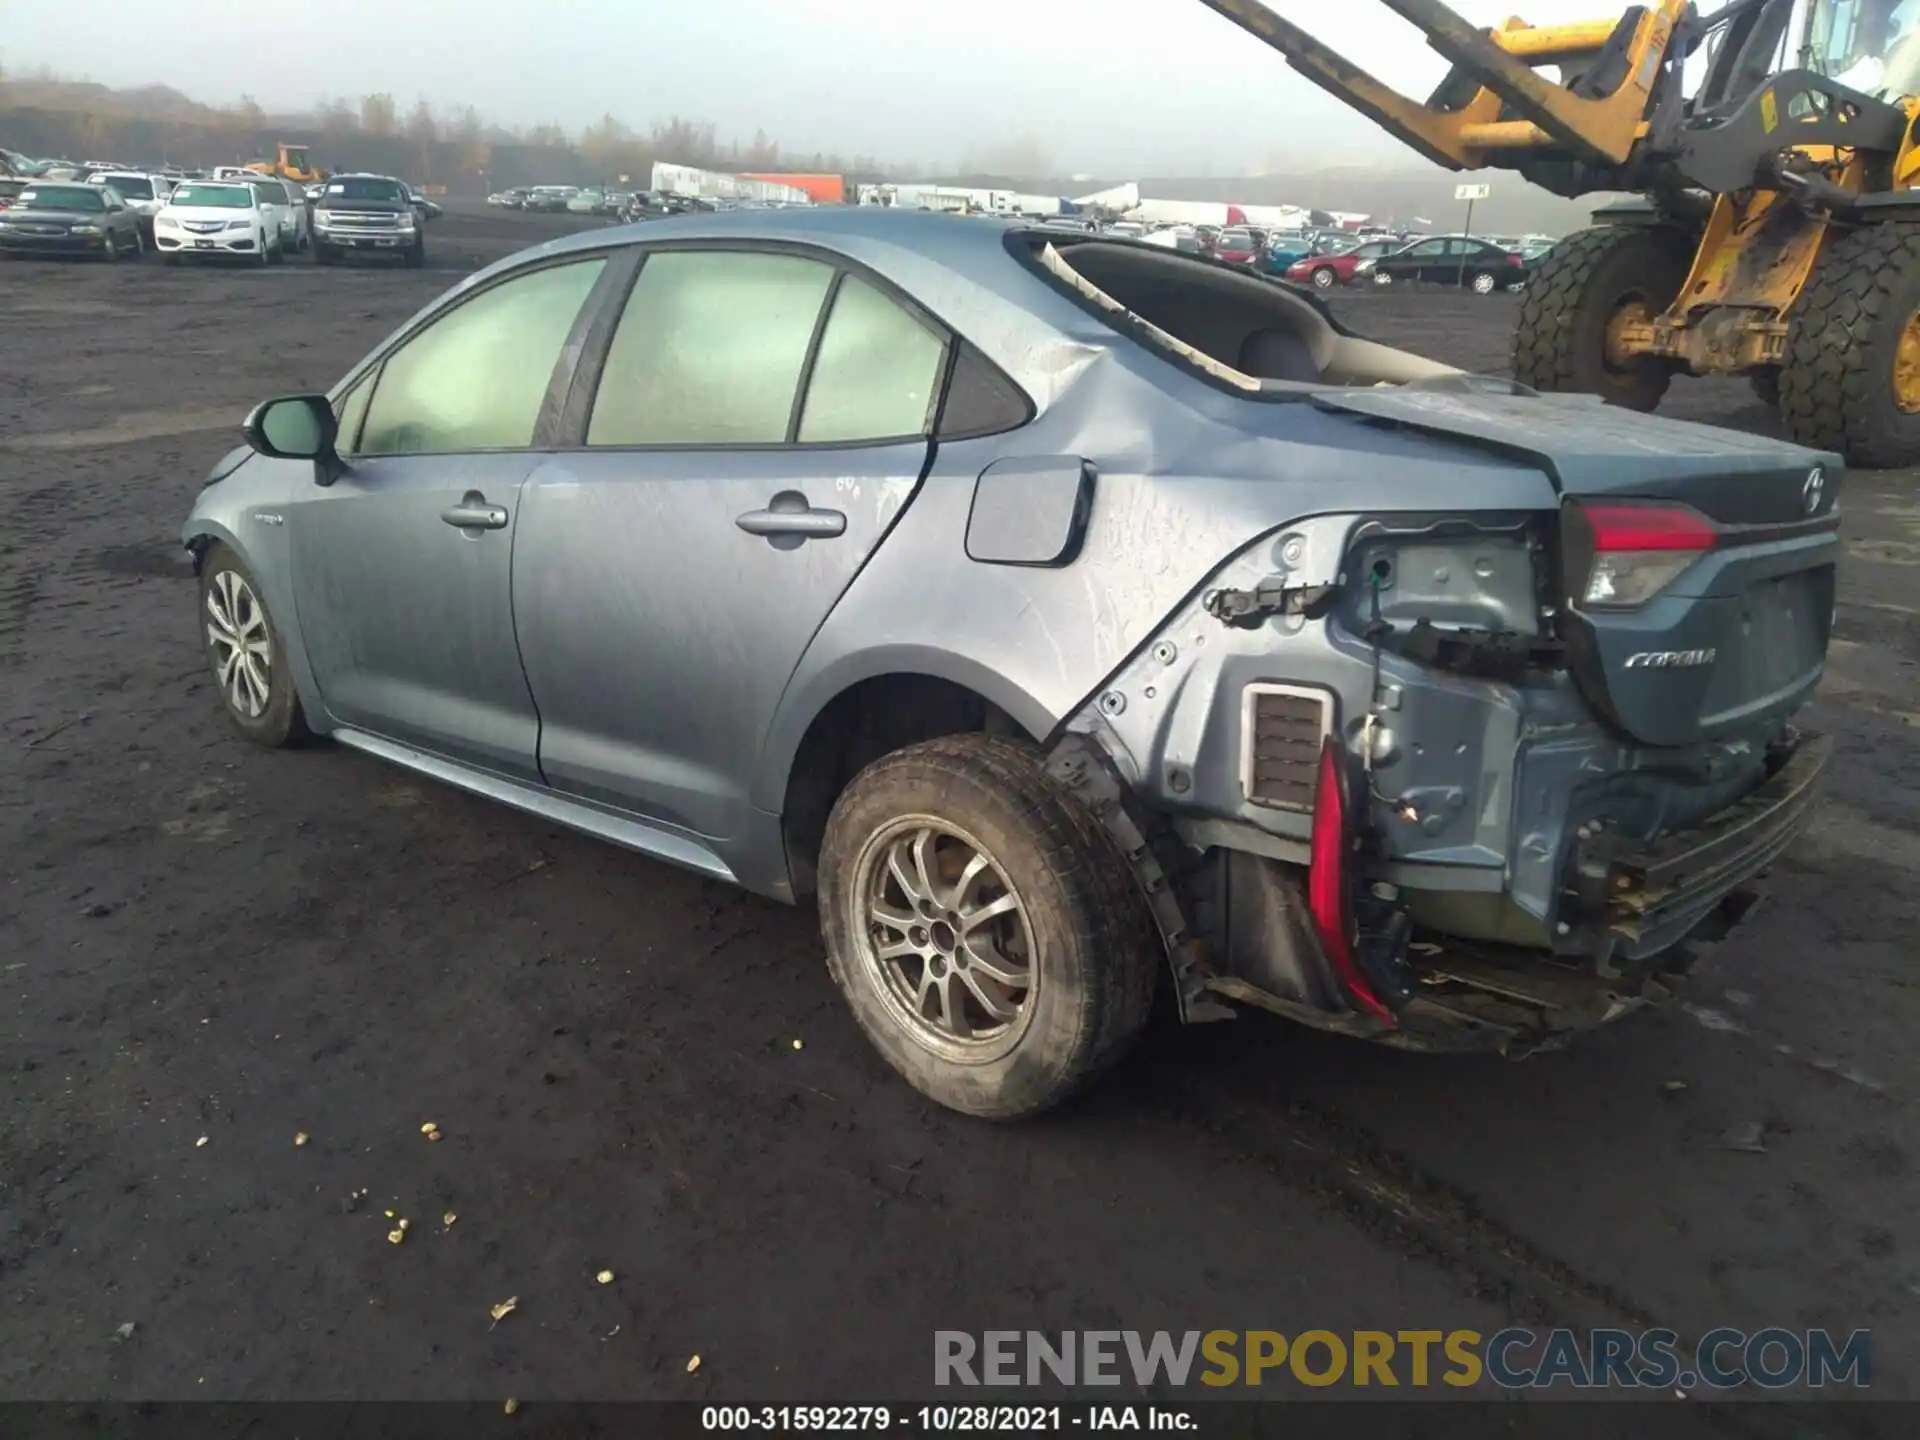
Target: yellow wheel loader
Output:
[(290, 163), (1777, 233)]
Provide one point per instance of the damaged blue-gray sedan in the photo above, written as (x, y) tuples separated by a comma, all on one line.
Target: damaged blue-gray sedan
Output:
[(1073, 621)]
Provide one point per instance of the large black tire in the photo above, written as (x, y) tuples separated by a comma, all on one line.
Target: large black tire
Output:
[(1837, 387), (1572, 299), (1766, 386), (280, 721), (1094, 955)]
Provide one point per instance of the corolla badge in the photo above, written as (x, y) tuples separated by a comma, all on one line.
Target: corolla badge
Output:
[(1670, 659), (267, 517), (1813, 491)]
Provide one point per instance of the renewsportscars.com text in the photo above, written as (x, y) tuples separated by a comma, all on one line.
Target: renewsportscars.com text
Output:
[(1513, 1359)]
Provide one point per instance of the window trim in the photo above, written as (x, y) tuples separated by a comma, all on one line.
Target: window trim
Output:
[(592, 368), (548, 417)]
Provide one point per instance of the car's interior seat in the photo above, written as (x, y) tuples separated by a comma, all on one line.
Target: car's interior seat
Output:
[(1278, 354)]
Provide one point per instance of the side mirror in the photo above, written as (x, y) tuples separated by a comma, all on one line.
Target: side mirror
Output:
[(296, 427)]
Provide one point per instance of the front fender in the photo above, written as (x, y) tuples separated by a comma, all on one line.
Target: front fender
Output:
[(247, 511)]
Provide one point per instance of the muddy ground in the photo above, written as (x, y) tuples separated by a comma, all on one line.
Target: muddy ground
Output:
[(206, 948)]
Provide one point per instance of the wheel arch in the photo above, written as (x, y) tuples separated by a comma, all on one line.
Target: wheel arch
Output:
[(200, 534), (847, 716)]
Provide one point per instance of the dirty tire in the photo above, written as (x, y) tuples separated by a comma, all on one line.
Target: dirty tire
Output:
[(1836, 388), (282, 722), (1561, 341), (1096, 955)]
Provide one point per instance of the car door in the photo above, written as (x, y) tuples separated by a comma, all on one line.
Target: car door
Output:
[(1424, 261), (759, 421), (402, 567)]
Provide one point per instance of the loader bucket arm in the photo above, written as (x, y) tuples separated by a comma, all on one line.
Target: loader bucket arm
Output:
[(1505, 103)]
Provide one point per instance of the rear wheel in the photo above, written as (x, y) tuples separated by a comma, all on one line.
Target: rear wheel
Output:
[(986, 932), (1851, 381), (1324, 277), (1577, 305), (1484, 283)]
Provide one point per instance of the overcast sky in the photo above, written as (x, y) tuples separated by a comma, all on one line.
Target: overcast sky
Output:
[(1119, 88)]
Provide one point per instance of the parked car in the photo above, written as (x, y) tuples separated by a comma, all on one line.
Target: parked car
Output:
[(142, 193), (1451, 260), (221, 219), (424, 208), (1285, 250), (1323, 272), (549, 199), (367, 214), (1236, 245), (1028, 776), (295, 216), (64, 218), (585, 202)]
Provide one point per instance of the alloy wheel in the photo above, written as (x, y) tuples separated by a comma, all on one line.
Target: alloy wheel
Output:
[(941, 930), (240, 645)]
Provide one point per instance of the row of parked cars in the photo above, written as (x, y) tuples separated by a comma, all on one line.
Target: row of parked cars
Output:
[(230, 214), (1329, 258)]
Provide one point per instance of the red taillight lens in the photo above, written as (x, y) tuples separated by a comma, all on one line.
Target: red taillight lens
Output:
[(1639, 550), (1329, 884)]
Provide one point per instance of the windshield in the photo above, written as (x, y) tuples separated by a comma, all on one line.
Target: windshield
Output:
[(1869, 45), (130, 187), (215, 197), (364, 188), (61, 197)]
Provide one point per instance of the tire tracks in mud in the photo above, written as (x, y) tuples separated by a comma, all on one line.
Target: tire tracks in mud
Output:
[(1314, 1150)]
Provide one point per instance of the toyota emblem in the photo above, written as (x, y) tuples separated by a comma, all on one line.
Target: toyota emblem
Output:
[(1814, 490)]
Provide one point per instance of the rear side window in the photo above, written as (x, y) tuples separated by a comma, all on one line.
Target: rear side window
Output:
[(709, 350), (876, 373), (475, 378)]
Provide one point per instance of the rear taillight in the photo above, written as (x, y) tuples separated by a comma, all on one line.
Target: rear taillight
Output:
[(1639, 550), (1330, 879)]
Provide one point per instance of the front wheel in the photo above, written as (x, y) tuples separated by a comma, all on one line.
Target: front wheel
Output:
[(245, 653), (1579, 307), (983, 927), (1324, 278), (110, 248), (1851, 381)]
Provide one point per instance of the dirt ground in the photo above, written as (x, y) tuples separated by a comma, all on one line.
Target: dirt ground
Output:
[(206, 948)]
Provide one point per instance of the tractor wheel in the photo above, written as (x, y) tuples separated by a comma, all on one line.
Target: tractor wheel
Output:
[(1591, 284), (1851, 381)]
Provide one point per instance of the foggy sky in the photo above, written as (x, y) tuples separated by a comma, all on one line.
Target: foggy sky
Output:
[(1117, 89)]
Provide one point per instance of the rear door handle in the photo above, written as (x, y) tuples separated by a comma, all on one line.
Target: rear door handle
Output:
[(474, 513), (789, 515)]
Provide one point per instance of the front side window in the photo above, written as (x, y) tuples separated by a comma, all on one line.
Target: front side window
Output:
[(474, 379), (709, 350), (876, 372), (1429, 250)]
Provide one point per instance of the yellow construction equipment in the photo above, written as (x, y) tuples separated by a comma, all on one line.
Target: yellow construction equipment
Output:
[(1778, 231), (290, 162)]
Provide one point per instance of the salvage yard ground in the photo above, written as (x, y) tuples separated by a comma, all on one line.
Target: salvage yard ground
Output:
[(206, 949)]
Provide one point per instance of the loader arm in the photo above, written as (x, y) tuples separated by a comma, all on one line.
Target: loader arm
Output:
[(1496, 108)]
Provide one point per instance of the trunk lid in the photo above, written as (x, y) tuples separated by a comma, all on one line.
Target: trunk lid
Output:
[(1745, 529)]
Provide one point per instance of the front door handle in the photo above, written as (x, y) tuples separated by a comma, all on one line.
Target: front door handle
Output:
[(474, 513), (791, 518)]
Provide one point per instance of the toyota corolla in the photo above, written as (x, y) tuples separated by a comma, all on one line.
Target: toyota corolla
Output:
[(1071, 620)]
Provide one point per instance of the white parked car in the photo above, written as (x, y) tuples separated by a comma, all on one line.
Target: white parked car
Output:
[(207, 219), (143, 194), (296, 231)]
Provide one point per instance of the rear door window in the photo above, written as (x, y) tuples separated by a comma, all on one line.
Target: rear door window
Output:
[(710, 349), (877, 371)]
